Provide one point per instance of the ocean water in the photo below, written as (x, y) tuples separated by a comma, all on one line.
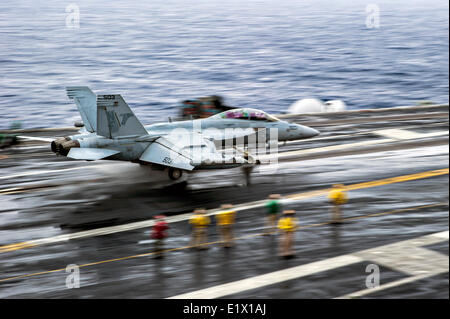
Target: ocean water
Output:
[(262, 54)]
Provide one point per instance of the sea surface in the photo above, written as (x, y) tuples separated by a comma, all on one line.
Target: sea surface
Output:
[(262, 54)]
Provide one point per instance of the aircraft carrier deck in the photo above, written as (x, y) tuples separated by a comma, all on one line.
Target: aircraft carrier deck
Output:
[(55, 212)]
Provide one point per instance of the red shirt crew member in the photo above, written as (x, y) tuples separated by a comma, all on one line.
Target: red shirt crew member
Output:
[(159, 233)]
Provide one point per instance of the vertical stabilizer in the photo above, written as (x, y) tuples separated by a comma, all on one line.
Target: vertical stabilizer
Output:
[(85, 100), (115, 118)]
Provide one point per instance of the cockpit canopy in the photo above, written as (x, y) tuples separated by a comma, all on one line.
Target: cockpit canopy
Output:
[(246, 114)]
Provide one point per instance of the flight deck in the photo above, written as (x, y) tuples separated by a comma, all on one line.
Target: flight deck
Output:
[(56, 212)]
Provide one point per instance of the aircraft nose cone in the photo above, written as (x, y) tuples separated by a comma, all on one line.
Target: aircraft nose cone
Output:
[(310, 132)]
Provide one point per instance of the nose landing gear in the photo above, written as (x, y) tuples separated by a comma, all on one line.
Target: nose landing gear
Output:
[(175, 173)]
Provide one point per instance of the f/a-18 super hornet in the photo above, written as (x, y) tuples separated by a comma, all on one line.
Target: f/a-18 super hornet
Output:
[(111, 131)]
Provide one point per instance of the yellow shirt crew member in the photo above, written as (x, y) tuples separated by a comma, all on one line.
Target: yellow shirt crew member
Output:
[(200, 220), (338, 195), (225, 218), (225, 221), (288, 224)]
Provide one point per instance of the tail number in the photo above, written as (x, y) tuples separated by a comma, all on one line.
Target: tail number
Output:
[(167, 160)]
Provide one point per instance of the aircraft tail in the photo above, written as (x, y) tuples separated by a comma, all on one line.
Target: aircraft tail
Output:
[(115, 118), (85, 100)]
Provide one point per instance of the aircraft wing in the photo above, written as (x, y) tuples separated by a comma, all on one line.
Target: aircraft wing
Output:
[(183, 152), (162, 151)]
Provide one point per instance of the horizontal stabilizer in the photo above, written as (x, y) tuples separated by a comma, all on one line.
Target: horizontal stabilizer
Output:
[(90, 154)]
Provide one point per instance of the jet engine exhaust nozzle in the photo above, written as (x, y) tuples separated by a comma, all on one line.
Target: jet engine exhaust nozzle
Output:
[(62, 146)]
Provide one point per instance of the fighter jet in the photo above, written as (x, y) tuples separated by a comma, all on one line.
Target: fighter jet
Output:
[(111, 131)]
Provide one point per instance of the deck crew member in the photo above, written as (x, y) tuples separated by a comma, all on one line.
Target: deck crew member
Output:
[(337, 197), (225, 220), (159, 233), (273, 207), (199, 222), (287, 225)]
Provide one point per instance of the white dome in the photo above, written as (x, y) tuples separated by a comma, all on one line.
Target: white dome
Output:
[(335, 106), (306, 106), (316, 106)]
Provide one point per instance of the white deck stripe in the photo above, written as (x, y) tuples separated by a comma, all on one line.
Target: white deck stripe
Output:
[(399, 134), (270, 278), (440, 265), (41, 139), (43, 172), (443, 235), (350, 145), (385, 286), (325, 149)]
